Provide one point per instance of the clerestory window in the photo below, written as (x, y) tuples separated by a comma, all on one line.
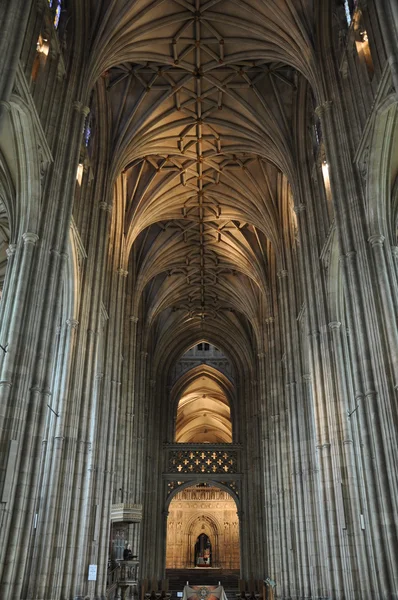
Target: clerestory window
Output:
[(350, 7)]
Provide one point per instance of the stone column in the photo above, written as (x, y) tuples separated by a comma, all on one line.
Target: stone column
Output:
[(388, 297), (272, 476), (263, 445), (138, 483), (360, 566), (17, 419), (368, 365), (95, 419), (111, 414), (123, 475), (311, 411), (252, 498)]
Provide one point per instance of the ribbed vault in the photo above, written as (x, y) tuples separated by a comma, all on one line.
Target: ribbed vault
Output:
[(231, 32), (200, 101), (203, 413)]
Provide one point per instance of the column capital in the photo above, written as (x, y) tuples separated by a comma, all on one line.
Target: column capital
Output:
[(122, 272), (394, 251), (134, 319), (72, 323), (30, 238), (81, 108), (10, 251), (289, 384), (6, 105), (350, 254), (334, 325), (376, 240), (282, 273), (261, 355), (315, 333), (270, 320), (325, 106), (300, 208), (105, 206)]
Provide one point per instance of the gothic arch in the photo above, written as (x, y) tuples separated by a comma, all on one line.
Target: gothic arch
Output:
[(195, 514), (7, 192), (210, 526), (26, 156), (195, 373), (382, 170), (186, 335), (210, 481), (7, 204)]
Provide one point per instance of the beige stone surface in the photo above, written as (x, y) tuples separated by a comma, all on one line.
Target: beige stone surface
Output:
[(198, 510)]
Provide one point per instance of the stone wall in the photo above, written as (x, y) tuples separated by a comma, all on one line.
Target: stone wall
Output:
[(195, 511)]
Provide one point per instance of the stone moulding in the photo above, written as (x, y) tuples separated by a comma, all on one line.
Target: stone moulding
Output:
[(126, 513)]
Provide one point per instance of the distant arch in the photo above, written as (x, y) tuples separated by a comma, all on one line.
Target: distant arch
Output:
[(188, 380)]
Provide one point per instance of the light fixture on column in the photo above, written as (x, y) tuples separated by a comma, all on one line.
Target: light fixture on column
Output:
[(79, 173)]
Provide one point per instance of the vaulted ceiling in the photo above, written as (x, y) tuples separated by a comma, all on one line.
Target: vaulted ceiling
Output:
[(203, 413), (200, 97)]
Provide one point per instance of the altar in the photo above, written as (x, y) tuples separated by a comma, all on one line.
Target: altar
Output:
[(204, 592)]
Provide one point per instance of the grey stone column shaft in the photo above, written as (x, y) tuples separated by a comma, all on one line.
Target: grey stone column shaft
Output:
[(360, 566), (90, 414), (381, 503)]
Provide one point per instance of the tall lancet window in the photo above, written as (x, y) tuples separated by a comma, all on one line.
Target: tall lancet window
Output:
[(350, 7), (347, 12), (57, 15)]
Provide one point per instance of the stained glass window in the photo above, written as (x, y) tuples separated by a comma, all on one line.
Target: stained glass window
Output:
[(347, 12), (87, 133), (57, 15)]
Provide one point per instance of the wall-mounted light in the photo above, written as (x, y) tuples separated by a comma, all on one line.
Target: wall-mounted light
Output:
[(42, 46), (364, 36), (325, 171), (363, 50), (79, 173)]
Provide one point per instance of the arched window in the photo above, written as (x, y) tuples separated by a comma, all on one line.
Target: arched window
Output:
[(87, 132), (57, 14), (350, 6)]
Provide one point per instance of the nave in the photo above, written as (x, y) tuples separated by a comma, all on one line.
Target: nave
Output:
[(199, 298)]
